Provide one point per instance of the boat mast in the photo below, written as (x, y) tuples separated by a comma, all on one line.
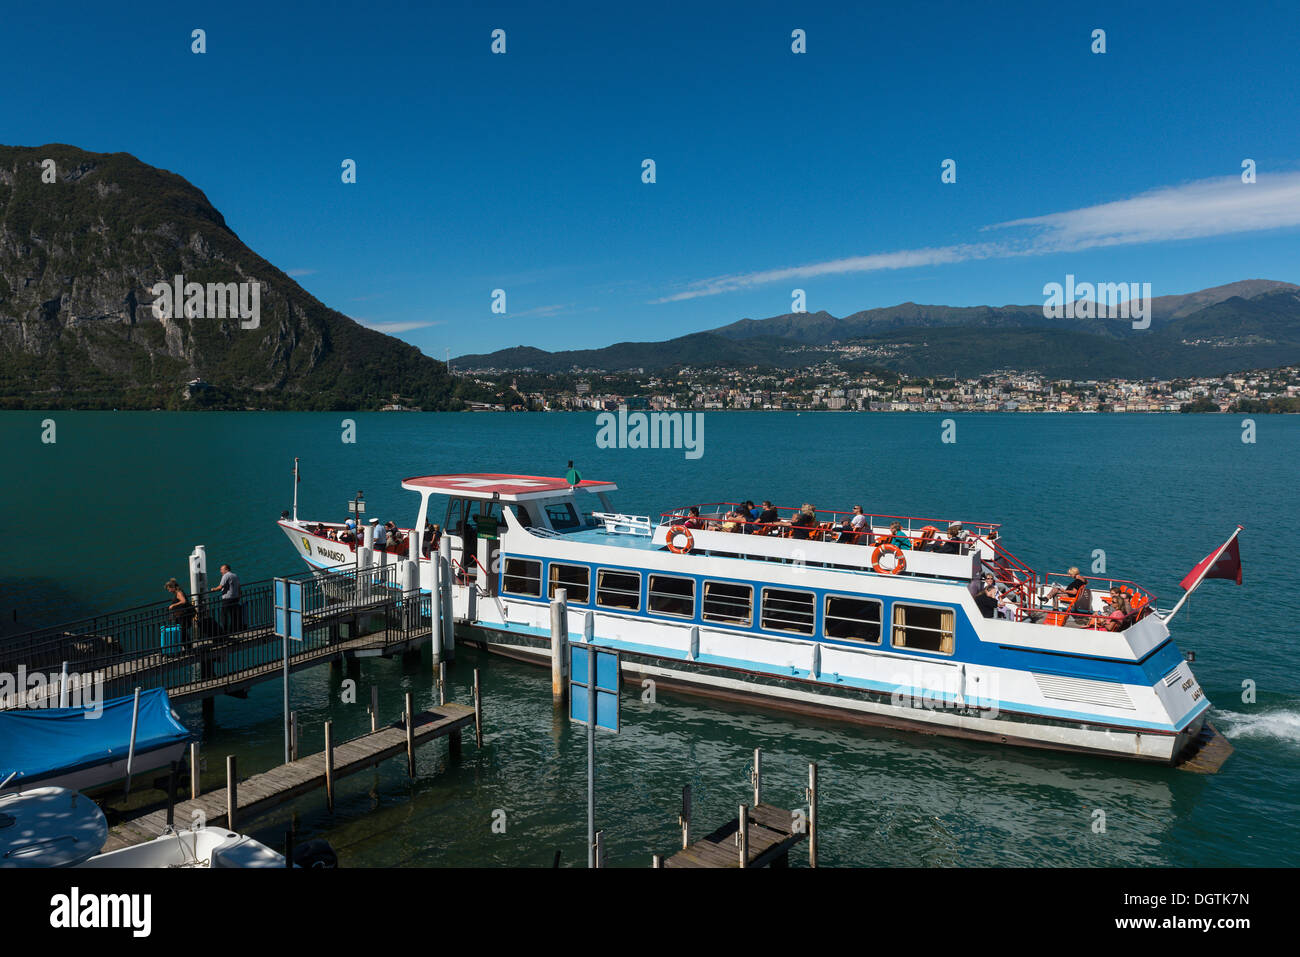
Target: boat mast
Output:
[(295, 488)]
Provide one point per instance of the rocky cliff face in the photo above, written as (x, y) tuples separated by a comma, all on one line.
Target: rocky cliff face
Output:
[(80, 258)]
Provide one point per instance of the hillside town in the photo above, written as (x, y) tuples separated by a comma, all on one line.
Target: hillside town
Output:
[(826, 387)]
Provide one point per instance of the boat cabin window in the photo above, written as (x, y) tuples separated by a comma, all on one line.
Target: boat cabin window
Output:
[(523, 576), (455, 521), (562, 516), (672, 596), (618, 589), (574, 579), (788, 610), (728, 602), (923, 628), (854, 618)]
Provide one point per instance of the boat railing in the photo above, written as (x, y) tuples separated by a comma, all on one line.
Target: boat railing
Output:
[(912, 527)]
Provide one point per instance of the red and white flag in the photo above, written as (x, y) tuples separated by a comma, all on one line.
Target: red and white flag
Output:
[(1224, 562)]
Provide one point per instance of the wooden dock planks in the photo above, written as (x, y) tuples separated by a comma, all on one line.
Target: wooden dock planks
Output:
[(261, 792), (771, 836)]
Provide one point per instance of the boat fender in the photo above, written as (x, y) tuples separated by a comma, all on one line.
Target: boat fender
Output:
[(317, 853), (684, 533), (900, 562)]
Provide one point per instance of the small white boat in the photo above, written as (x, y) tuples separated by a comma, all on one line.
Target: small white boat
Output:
[(200, 847), (56, 827)]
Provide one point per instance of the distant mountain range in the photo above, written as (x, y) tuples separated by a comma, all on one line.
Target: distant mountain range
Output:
[(79, 256), (1254, 323)]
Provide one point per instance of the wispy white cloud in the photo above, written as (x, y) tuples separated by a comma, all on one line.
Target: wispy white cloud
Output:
[(393, 328), (1209, 207), (543, 310)]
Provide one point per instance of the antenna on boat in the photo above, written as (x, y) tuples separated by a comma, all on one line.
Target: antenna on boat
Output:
[(296, 479)]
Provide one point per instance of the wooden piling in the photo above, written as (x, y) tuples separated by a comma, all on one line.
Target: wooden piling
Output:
[(812, 814), (374, 708), (329, 764), (478, 713), (442, 683), (232, 788), (410, 737), (194, 770), (757, 776), (600, 849), (685, 819), (657, 861), (293, 735), (742, 835)]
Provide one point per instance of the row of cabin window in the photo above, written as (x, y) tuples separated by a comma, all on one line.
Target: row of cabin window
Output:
[(920, 627)]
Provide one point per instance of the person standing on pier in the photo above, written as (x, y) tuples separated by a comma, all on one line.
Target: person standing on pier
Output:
[(231, 617), (181, 611)]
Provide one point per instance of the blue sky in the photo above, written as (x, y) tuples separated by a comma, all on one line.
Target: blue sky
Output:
[(775, 171)]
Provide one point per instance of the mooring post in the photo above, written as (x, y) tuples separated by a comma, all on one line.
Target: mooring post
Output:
[(293, 735), (374, 708), (171, 791), (410, 737), (435, 609), (559, 645), (194, 770), (442, 683), (685, 819), (657, 861), (329, 764), (812, 814), (448, 610), (478, 713), (757, 776), (232, 792), (742, 835), (600, 848)]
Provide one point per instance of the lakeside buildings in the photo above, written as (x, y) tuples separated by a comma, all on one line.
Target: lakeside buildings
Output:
[(826, 387)]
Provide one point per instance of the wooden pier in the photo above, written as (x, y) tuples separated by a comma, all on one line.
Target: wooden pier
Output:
[(760, 835), (769, 836), (262, 792)]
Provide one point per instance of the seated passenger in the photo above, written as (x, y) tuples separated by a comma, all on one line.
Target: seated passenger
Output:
[(987, 599), (767, 518), (733, 520), (693, 519), (953, 544), (801, 525), (1075, 593), (857, 528), (896, 536), (1118, 601)]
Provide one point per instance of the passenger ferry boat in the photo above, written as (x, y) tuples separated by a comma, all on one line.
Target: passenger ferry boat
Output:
[(871, 626)]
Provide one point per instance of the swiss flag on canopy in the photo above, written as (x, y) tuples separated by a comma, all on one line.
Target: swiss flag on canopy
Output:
[(1220, 563)]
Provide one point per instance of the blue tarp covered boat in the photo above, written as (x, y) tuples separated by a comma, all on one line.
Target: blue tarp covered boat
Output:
[(72, 748)]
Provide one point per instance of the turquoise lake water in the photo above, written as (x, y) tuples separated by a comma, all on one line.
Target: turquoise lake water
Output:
[(103, 516)]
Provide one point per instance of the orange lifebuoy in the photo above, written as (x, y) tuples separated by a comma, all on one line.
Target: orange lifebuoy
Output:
[(684, 547), (899, 561)]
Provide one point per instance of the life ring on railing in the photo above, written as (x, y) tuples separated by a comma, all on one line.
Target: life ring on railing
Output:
[(900, 562), (686, 546)]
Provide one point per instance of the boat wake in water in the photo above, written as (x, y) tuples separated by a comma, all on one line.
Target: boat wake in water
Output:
[(1282, 724)]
